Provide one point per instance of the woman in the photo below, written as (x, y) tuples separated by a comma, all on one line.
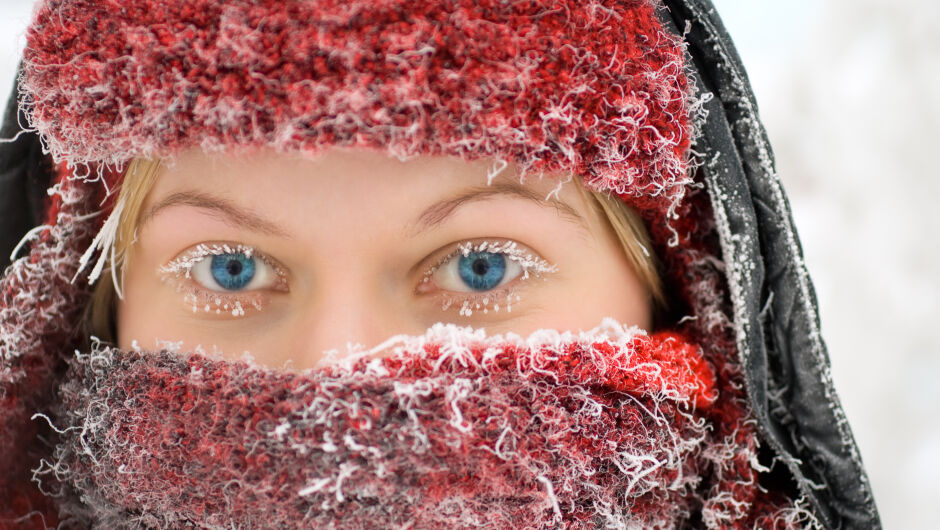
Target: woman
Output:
[(284, 179)]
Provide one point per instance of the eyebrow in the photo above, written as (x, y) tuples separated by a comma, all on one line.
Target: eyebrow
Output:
[(431, 217), (438, 212), (229, 212)]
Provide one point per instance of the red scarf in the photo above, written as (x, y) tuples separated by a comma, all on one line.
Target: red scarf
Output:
[(452, 430)]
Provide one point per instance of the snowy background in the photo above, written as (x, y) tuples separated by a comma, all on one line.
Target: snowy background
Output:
[(850, 93)]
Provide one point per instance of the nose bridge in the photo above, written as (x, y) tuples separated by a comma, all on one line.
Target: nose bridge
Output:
[(346, 309)]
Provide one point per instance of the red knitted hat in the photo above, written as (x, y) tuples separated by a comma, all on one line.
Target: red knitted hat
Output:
[(592, 88)]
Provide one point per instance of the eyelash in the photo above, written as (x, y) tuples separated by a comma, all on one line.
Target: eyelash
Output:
[(179, 270), (469, 302)]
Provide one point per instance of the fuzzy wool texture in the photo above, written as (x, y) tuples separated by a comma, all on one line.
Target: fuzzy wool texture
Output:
[(591, 88), (453, 429), (39, 310)]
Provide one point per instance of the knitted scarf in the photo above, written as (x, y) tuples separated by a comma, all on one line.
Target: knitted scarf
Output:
[(609, 428)]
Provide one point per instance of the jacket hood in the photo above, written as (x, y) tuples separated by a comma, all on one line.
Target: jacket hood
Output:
[(659, 113)]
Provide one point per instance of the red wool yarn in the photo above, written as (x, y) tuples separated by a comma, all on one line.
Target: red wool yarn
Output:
[(454, 430), (592, 88)]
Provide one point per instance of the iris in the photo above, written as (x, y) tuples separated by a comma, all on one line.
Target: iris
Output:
[(232, 271), (482, 271)]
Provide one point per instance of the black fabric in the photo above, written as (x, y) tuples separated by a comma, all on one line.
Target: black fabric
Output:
[(785, 359), (25, 174)]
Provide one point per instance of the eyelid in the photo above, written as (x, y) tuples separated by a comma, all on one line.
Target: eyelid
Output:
[(183, 264), (179, 271), (529, 261)]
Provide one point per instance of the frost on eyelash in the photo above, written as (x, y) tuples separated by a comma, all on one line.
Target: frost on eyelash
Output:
[(511, 250), (490, 301), (214, 303), (181, 267), (210, 303), (484, 302)]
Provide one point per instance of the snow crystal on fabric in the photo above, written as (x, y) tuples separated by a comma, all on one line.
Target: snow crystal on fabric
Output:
[(592, 88), (39, 311), (450, 430)]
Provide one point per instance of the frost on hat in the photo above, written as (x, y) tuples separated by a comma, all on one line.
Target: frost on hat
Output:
[(594, 88)]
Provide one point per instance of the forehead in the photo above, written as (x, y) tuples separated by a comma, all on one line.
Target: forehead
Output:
[(370, 178)]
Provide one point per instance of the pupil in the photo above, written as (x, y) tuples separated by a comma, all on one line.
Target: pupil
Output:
[(481, 271), (232, 271)]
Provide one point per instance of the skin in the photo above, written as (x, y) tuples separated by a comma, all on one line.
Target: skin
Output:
[(354, 232)]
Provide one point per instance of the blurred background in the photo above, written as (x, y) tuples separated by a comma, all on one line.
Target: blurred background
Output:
[(849, 91)]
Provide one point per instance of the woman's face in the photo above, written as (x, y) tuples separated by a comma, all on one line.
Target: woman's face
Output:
[(287, 258)]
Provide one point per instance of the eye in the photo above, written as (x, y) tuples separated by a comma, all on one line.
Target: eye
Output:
[(225, 278), (233, 271), (223, 267), (481, 266), (476, 271), (482, 276)]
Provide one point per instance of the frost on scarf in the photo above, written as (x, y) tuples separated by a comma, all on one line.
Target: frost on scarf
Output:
[(609, 428), (452, 431)]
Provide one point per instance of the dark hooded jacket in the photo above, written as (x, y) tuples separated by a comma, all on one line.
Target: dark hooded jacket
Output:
[(802, 427)]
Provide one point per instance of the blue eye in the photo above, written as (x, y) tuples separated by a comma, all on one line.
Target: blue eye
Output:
[(232, 271), (482, 271)]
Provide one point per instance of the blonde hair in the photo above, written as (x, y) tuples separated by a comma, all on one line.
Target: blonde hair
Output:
[(100, 314), (634, 238)]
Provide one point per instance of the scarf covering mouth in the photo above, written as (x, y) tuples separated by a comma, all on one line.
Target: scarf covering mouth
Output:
[(607, 428)]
